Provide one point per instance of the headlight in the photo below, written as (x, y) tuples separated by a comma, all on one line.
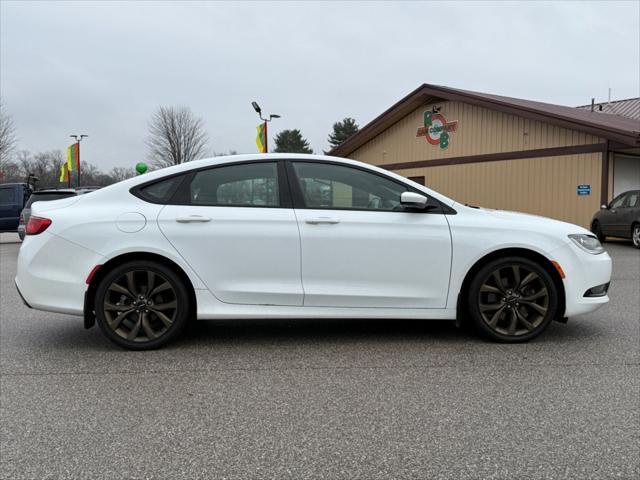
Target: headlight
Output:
[(588, 243)]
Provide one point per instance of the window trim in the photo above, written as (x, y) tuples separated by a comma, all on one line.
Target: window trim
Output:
[(176, 196), (299, 202)]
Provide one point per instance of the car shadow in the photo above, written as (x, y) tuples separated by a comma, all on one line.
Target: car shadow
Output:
[(320, 330), (327, 331), (66, 333)]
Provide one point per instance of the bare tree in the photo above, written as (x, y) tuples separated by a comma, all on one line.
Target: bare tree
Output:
[(176, 136), (7, 135), (118, 174)]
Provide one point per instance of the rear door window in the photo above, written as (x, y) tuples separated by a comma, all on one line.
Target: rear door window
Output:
[(244, 185)]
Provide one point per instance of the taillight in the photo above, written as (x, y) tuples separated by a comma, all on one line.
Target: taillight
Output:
[(37, 225), (21, 220)]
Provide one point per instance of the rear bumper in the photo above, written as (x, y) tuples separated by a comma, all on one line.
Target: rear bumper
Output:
[(20, 293), (53, 278)]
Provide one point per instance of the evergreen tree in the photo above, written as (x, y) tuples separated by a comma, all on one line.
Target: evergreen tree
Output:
[(291, 141), (342, 131)]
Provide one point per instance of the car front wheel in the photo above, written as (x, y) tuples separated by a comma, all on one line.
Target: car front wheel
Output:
[(141, 305), (512, 300), (596, 229)]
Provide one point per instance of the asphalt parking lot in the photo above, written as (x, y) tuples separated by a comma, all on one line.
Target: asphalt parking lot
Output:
[(323, 399)]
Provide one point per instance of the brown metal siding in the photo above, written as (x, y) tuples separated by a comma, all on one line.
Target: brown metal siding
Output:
[(480, 131), (542, 186)]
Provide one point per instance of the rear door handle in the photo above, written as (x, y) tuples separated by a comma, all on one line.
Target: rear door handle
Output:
[(321, 220), (193, 219)]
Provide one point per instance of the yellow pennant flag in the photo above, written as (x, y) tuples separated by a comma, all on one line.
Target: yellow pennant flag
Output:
[(70, 158), (261, 138), (64, 173)]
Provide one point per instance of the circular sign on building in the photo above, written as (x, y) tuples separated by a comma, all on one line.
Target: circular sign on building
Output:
[(436, 129)]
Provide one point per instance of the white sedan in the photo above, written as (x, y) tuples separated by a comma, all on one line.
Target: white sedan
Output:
[(295, 236)]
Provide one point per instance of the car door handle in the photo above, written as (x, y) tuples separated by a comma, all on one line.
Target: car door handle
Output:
[(321, 220), (193, 219)]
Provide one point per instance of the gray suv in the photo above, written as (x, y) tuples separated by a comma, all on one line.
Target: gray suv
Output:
[(621, 218)]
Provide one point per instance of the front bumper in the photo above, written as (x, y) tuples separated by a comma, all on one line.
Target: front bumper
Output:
[(583, 272)]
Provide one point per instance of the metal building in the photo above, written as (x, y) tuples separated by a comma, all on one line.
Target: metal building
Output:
[(506, 153)]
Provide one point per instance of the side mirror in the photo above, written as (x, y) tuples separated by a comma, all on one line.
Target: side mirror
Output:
[(413, 200), (604, 207)]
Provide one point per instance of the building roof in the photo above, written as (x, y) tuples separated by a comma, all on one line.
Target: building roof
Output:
[(612, 127), (629, 108)]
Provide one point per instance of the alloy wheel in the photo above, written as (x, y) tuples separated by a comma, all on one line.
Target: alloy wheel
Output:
[(513, 300), (140, 306), (635, 236)]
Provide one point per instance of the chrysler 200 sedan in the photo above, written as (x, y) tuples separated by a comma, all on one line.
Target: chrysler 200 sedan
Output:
[(295, 236)]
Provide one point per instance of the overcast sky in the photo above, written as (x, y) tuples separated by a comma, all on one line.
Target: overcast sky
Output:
[(103, 68)]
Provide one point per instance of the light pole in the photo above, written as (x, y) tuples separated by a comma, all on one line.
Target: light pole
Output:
[(78, 140), (258, 110)]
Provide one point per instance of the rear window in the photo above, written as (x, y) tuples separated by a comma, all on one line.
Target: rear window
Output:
[(47, 197)]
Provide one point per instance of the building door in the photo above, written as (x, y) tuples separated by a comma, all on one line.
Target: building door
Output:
[(626, 173)]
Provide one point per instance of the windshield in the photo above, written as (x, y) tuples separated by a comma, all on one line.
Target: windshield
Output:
[(48, 196)]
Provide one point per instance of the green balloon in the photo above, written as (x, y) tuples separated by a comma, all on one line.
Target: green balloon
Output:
[(141, 168)]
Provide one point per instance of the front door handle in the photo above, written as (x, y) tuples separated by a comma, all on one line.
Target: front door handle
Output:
[(321, 220), (193, 219)]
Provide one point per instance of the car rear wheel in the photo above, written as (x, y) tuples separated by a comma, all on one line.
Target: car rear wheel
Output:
[(512, 300), (635, 235), (141, 305), (596, 229)]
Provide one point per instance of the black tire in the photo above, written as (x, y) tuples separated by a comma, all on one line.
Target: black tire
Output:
[(596, 229), (146, 326), (635, 235), (522, 289)]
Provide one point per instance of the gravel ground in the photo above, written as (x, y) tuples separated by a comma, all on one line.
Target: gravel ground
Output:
[(323, 399)]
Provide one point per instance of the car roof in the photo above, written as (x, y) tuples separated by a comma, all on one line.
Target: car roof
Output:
[(257, 157)]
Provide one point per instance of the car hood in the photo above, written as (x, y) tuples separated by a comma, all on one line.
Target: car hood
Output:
[(530, 222)]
